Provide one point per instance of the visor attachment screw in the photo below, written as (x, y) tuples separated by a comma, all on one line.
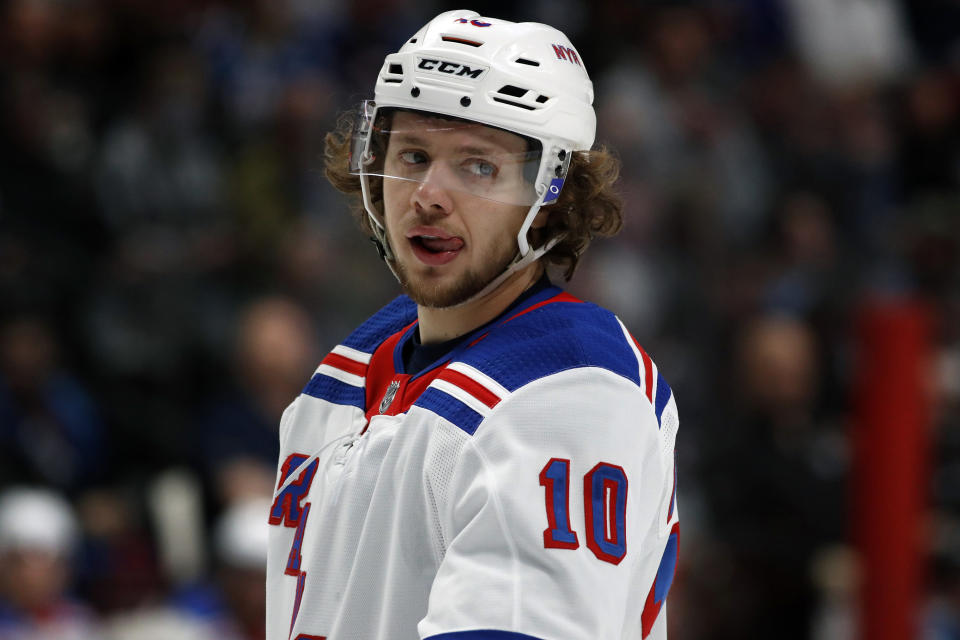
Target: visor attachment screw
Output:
[(465, 101), (415, 92)]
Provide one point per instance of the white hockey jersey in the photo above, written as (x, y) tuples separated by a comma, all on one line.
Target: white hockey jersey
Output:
[(521, 487)]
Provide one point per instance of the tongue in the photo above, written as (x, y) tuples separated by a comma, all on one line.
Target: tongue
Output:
[(440, 244)]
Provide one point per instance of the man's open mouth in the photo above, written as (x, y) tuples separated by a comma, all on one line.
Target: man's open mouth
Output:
[(435, 244)]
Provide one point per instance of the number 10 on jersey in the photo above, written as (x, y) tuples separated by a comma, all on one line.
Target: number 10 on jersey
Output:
[(604, 505)]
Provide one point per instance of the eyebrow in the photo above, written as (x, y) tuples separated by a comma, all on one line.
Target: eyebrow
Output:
[(410, 138)]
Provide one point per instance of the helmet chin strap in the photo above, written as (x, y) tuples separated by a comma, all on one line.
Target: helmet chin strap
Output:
[(525, 256), (379, 232)]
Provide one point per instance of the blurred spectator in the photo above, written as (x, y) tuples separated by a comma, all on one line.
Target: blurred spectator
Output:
[(930, 151), (261, 51), (231, 607), (146, 318), (807, 277), (159, 169), (38, 536), (836, 575), (50, 428), (941, 620), (669, 110), (856, 40), (118, 567), (240, 540), (274, 355), (775, 483)]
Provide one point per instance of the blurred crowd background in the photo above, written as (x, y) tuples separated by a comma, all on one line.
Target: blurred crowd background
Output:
[(173, 266)]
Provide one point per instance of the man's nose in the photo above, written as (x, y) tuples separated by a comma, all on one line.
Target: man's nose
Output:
[(433, 193)]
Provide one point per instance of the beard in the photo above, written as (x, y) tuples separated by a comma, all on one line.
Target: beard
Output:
[(473, 282)]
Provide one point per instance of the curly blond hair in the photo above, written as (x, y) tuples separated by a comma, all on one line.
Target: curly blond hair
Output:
[(588, 206)]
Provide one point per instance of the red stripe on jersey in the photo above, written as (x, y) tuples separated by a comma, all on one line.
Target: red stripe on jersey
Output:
[(407, 393), (471, 386), (560, 297), (647, 370), (650, 610), (381, 371), (343, 363), (478, 339), (652, 606)]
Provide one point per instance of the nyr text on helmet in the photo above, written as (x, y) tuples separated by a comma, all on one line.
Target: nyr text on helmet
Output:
[(566, 53)]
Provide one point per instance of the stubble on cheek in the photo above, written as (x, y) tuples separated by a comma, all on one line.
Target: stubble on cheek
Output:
[(431, 291), (426, 285)]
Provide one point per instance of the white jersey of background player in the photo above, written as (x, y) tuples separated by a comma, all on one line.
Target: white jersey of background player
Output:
[(487, 457)]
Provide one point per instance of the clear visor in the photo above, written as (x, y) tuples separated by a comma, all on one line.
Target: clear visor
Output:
[(421, 149)]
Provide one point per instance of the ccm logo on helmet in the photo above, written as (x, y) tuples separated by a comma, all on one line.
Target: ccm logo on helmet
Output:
[(450, 68)]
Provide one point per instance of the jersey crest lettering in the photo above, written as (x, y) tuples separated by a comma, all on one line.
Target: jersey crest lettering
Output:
[(286, 507), (295, 559)]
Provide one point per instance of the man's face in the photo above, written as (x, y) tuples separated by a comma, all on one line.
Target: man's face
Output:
[(450, 242), (32, 579)]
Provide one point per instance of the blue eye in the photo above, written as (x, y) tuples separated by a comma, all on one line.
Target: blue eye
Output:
[(480, 168)]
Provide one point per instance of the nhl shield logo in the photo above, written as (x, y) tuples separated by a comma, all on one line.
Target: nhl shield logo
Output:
[(388, 396)]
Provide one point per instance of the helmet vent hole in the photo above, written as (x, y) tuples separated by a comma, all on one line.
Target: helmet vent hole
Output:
[(513, 104), (471, 43), (510, 90), (542, 98), (394, 73), (413, 40), (532, 63)]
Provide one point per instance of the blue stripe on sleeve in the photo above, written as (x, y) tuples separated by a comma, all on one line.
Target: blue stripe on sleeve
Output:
[(482, 634), (445, 405), (663, 396), (668, 566), (332, 390)]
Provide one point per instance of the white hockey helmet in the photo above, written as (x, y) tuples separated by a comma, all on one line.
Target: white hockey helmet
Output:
[(525, 78), (241, 534), (36, 518)]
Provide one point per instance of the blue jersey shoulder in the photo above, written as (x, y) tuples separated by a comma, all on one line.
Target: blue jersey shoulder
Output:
[(400, 312), (366, 338), (543, 340), (553, 338)]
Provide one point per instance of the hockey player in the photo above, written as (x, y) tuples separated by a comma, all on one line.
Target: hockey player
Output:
[(487, 457)]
